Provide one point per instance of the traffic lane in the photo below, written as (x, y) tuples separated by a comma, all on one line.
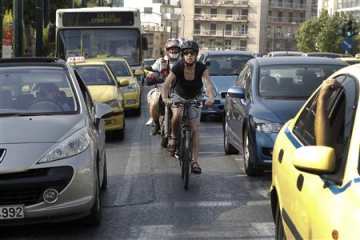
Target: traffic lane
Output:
[(145, 198)]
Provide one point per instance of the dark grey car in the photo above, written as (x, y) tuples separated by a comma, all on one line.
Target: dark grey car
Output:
[(224, 67), (52, 144)]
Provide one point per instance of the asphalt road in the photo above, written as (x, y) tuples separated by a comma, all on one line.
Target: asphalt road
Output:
[(146, 199)]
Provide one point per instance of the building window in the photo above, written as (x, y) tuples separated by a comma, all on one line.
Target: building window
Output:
[(148, 10), (228, 29), (243, 44), (197, 11), (212, 29), (243, 29), (227, 44), (229, 12), (290, 17), (244, 12), (212, 43), (157, 1), (213, 12), (197, 28)]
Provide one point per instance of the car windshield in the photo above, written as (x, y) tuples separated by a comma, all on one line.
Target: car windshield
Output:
[(119, 68), (223, 65), (292, 81), (94, 75), (35, 91)]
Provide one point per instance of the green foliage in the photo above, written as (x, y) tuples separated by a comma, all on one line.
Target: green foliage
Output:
[(323, 34)]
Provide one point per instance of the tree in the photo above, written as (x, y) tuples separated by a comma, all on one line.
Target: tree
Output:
[(306, 35), (324, 34)]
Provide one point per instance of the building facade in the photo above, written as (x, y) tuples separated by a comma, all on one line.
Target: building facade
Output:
[(348, 6), (259, 26)]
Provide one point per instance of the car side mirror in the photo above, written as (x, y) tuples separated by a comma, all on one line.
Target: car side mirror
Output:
[(124, 82), (102, 110), (207, 63), (223, 94), (138, 72), (236, 92), (315, 159)]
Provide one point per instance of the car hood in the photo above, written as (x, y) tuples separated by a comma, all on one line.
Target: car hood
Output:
[(223, 83), (102, 93), (38, 129), (275, 110)]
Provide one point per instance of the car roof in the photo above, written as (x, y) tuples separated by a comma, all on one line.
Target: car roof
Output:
[(226, 52), (106, 59), (33, 61), (296, 60)]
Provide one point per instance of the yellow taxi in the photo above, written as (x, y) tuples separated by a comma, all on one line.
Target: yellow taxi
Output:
[(315, 190), (123, 73), (104, 88)]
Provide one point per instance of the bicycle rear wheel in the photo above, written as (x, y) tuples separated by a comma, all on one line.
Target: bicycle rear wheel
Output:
[(187, 155)]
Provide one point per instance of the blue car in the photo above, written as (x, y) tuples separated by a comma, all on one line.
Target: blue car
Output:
[(267, 93), (224, 67)]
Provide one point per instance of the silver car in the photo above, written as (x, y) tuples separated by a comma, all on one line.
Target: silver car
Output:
[(52, 144)]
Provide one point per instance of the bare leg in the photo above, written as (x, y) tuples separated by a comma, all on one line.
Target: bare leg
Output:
[(195, 139)]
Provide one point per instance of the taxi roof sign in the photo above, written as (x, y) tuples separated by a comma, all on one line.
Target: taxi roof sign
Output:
[(77, 59)]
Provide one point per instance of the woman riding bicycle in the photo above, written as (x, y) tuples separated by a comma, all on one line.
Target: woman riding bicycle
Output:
[(187, 78)]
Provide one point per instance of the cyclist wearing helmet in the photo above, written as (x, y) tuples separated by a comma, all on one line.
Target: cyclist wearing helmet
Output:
[(187, 78), (161, 69)]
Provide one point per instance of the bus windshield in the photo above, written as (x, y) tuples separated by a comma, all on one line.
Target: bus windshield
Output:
[(93, 43)]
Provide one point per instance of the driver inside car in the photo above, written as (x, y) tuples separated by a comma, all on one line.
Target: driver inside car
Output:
[(50, 92)]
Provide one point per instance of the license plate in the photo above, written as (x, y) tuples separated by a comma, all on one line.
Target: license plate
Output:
[(11, 212)]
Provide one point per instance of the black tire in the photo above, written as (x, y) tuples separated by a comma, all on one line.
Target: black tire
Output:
[(94, 218), (228, 148), (279, 227), (249, 156), (187, 158), (105, 176)]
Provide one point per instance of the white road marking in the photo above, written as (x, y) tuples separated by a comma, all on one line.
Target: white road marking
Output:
[(258, 203)]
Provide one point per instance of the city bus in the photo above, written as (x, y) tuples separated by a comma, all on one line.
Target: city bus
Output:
[(101, 32)]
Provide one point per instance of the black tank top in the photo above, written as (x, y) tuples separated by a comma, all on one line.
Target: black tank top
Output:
[(188, 88)]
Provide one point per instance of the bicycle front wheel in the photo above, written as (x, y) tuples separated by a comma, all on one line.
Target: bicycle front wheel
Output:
[(187, 155)]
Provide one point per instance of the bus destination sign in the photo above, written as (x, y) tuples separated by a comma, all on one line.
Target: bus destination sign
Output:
[(93, 19)]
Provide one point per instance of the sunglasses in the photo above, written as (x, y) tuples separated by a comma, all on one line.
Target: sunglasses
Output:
[(189, 52)]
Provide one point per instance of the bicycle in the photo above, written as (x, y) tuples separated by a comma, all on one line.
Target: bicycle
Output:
[(184, 146)]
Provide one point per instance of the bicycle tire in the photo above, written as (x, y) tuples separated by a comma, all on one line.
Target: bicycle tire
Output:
[(187, 158)]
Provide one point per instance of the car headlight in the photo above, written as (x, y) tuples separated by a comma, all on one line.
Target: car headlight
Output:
[(130, 88), (71, 146), (266, 126), (113, 103)]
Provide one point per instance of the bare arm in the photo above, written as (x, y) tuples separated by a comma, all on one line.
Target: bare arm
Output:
[(322, 129), (165, 91), (209, 87)]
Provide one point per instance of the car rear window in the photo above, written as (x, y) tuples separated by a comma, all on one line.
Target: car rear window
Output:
[(119, 68), (292, 81), (223, 65), (94, 75)]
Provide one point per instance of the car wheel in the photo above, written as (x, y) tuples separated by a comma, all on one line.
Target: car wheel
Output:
[(228, 148), (279, 227), (94, 218), (105, 180), (249, 156)]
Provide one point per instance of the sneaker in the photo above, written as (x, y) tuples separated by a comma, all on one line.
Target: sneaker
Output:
[(149, 122), (155, 129)]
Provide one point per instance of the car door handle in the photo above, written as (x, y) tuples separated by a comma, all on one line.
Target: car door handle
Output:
[(281, 155)]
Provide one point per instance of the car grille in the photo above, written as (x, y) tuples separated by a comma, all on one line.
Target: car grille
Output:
[(27, 187)]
